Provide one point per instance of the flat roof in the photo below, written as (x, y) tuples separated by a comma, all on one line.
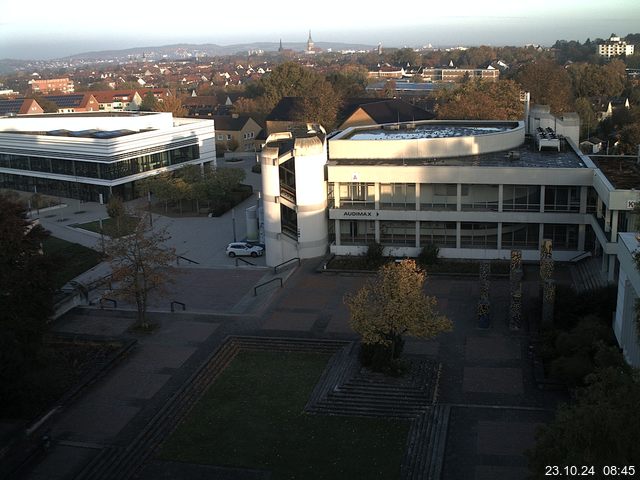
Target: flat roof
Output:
[(410, 132), (623, 172), (526, 155)]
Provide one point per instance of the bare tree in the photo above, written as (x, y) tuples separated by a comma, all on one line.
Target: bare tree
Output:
[(141, 264)]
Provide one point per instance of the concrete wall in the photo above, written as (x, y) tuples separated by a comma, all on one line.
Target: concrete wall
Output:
[(342, 147)]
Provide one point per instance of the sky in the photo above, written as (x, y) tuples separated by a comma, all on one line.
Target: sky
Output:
[(42, 29)]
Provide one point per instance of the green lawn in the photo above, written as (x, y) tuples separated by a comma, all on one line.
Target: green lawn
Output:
[(110, 226), (72, 259), (252, 417)]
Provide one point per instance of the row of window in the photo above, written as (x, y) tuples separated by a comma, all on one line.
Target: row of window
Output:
[(472, 234), (402, 196), (106, 171)]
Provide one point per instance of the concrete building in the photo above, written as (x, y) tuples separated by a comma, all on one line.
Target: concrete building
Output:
[(625, 325), (52, 85), (294, 195), (614, 47), (94, 155), (475, 189)]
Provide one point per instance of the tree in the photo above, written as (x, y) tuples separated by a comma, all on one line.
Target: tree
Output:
[(141, 264), (482, 100), (600, 429), (548, 83), (26, 295), (149, 102), (172, 105), (320, 102), (588, 120), (116, 211), (391, 305)]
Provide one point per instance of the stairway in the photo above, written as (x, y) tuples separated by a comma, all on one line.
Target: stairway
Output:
[(587, 275)]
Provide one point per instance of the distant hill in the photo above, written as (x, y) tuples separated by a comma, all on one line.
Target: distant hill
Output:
[(182, 50)]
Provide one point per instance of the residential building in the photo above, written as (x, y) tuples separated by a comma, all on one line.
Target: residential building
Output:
[(118, 100), (376, 111), (74, 103), (52, 85), (20, 106), (614, 47), (92, 156), (238, 131)]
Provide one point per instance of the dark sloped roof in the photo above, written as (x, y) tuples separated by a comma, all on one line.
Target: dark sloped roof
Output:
[(227, 122), (66, 101), (395, 110), (287, 109), (11, 106)]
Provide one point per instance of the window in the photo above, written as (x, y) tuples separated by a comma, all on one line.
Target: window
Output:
[(480, 197), (357, 195), (357, 232), (442, 234), (398, 233), (520, 235), (478, 235), (220, 136), (228, 136), (564, 237), (521, 198), (561, 199), (438, 196), (400, 196)]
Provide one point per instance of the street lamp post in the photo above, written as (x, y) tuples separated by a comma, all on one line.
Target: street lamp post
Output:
[(150, 215), (233, 223)]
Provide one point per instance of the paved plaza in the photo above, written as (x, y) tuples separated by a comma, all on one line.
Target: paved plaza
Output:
[(486, 375)]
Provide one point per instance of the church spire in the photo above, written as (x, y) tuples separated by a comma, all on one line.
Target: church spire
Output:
[(310, 43)]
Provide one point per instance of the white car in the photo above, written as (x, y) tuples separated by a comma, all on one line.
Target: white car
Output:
[(243, 249)]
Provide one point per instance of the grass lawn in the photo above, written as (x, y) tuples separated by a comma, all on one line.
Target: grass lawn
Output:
[(109, 226), (73, 259), (252, 417)]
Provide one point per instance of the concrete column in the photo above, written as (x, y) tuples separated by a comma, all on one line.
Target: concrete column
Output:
[(417, 196), (500, 228), (583, 199), (500, 200), (599, 208), (542, 194), (458, 228), (377, 230), (417, 234), (605, 260), (459, 197), (336, 194), (540, 235), (607, 221), (581, 236), (376, 196), (614, 225), (612, 268), (337, 228)]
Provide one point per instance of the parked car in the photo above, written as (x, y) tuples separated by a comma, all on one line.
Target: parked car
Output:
[(244, 249)]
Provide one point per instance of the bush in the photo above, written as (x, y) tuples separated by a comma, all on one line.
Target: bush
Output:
[(257, 168), (429, 255), (379, 358), (374, 258)]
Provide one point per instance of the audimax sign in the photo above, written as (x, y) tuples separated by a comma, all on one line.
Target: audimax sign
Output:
[(360, 213)]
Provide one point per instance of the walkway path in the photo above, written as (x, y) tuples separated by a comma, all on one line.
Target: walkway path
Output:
[(486, 377)]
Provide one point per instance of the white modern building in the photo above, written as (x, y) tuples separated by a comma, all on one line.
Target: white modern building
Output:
[(625, 325), (614, 47), (94, 155), (477, 190)]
